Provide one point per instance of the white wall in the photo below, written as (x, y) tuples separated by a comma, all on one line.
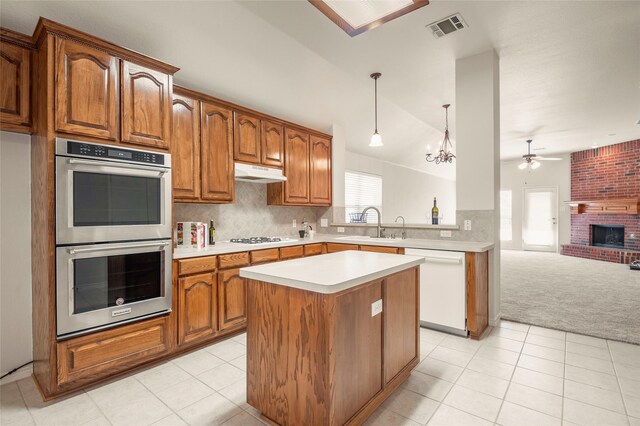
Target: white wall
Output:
[(478, 151), (552, 174), (15, 251), (407, 192)]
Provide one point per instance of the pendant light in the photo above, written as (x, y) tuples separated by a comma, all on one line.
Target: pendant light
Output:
[(376, 139), (445, 153)]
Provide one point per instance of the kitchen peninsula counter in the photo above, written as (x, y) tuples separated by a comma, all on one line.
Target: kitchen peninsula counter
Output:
[(330, 337), (224, 247)]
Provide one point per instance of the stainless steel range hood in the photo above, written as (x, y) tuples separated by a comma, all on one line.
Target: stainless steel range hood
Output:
[(258, 174)]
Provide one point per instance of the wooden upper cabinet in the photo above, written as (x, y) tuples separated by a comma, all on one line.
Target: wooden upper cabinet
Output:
[(146, 106), (272, 144), (232, 298), (15, 109), (246, 138), (198, 310), (320, 177), (296, 167), (185, 147), (86, 90), (217, 153)]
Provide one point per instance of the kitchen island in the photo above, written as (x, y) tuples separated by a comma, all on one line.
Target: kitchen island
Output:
[(330, 337)]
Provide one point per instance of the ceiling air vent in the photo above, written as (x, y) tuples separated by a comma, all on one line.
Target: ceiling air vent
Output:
[(447, 25)]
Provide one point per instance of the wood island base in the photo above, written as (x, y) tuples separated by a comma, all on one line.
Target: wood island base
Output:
[(330, 359)]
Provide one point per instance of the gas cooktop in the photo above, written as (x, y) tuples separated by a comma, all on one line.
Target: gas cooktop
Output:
[(259, 240)]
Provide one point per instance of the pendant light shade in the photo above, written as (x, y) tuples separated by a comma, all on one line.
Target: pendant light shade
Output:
[(376, 139)]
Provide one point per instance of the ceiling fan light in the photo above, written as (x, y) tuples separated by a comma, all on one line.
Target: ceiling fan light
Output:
[(522, 165), (535, 164), (376, 140)]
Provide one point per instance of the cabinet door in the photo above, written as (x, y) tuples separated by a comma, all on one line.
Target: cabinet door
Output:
[(296, 167), (357, 350), (86, 87), (197, 316), (216, 153), (401, 326), (272, 144), (232, 299), (320, 178), (146, 106), (14, 85), (185, 148), (246, 138)]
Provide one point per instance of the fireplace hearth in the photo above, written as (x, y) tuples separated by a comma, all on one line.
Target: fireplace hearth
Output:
[(607, 236)]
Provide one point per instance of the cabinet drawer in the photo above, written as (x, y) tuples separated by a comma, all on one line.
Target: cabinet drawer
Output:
[(380, 249), (313, 249), (196, 265), (104, 353), (261, 256), (335, 247), (291, 252), (233, 260)]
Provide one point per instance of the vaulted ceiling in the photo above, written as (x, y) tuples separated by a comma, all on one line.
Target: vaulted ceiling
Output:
[(570, 71)]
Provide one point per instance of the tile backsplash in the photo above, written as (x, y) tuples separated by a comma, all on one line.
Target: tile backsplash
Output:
[(249, 215)]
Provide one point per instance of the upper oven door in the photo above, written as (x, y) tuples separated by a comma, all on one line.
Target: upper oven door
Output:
[(101, 201)]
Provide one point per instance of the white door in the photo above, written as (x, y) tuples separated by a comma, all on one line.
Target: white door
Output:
[(540, 221)]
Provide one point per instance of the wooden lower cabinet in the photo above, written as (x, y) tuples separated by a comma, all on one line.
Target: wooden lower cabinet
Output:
[(100, 355), (313, 249), (336, 247), (400, 321), (323, 359), (477, 270), (292, 252), (232, 299), (381, 249), (198, 310)]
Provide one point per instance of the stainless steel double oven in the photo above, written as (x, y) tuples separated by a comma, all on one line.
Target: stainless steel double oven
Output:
[(113, 235)]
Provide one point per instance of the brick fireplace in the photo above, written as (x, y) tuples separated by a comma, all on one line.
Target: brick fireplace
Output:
[(605, 191)]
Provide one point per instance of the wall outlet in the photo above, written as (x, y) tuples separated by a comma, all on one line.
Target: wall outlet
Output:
[(341, 229), (445, 234), (294, 223), (324, 223), (467, 225), (376, 307)]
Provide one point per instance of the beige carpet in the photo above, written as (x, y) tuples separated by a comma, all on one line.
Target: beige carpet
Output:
[(582, 296)]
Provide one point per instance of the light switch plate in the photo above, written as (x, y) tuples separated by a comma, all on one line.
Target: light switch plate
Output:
[(294, 223), (340, 229), (467, 225), (324, 223), (445, 234), (376, 307)]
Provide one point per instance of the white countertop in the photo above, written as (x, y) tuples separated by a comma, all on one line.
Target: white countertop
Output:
[(331, 273), (223, 247)]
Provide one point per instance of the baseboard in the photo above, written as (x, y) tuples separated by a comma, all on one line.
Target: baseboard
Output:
[(494, 322), (25, 371)]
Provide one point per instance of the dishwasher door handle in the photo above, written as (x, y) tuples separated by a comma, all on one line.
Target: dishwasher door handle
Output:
[(442, 259)]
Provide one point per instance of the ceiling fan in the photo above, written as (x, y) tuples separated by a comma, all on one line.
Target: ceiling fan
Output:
[(530, 161)]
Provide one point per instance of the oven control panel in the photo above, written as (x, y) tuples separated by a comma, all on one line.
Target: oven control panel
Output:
[(112, 152)]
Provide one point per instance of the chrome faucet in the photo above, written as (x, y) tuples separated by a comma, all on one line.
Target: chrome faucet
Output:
[(378, 233), (404, 231)]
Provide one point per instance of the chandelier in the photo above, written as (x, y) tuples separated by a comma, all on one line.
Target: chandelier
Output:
[(445, 153)]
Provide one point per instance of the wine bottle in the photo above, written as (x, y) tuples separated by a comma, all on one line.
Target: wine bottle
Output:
[(212, 234), (434, 212)]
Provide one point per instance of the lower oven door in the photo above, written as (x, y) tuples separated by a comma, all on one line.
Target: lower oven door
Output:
[(99, 285)]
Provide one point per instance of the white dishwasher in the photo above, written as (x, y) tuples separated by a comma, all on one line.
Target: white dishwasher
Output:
[(443, 290)]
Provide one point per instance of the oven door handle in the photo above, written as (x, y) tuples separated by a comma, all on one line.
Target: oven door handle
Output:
[(116, 247), (161, 170)]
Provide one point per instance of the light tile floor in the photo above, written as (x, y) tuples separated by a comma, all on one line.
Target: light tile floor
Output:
[(519, 375)]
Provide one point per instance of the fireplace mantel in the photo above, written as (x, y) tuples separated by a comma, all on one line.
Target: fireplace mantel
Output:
[(610, 206)]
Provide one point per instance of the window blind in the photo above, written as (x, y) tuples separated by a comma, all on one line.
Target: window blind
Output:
[(361, 190)]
